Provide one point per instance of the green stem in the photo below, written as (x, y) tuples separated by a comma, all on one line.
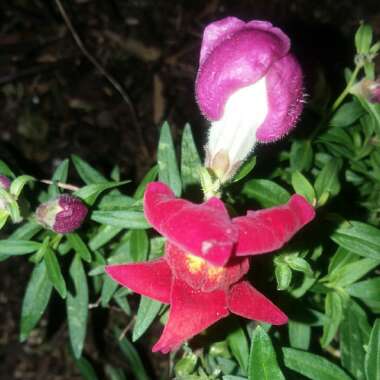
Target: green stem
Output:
[(346, 91)]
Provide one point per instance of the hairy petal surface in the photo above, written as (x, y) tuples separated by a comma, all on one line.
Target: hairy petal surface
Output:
[(285, 98), (246, 301), (236, 62), (266, 230), (204, 230), (191, 312), (151, 279)]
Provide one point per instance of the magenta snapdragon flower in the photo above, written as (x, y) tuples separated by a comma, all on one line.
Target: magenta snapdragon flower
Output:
[(249, 86), (202, 272)]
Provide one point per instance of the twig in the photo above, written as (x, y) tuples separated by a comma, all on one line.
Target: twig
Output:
[(105, 73), (66, 186), (127, 328)]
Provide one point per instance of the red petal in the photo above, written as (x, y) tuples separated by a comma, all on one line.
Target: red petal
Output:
[(205, 230), (267, 230), (191, 312), (151, 279), (246, 301)]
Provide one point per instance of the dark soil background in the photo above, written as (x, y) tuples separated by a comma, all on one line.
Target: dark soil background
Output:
[(54, 102)]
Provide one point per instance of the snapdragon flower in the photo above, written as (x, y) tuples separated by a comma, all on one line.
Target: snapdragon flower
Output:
[(249, 86), (202, 273)]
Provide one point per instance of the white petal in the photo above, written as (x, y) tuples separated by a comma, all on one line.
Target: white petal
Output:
[(235, 132)]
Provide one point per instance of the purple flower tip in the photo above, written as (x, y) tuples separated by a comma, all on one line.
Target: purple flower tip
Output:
[(63, 215), (5, 182), (235, 55)]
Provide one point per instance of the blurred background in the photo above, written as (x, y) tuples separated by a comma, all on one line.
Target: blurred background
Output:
[(55, 102)]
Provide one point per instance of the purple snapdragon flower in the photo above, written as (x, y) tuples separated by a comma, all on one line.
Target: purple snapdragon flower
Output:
[(249, 86)]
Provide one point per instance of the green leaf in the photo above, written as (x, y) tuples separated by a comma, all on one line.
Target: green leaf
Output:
[(4, 214), (60, 175), (266, 192), (139, 245), (35, 300), (86, 370), (149, 177), (327, 180), (368, 289), (77, 306), (114, 373), (25, 231), (87, 173), (262, 359), (121, 218), (363, 38), (103, 236), (299, 335), (108, 289), (312, 366), (372, 358), (340, 259), (54, 272), (237, 341), (301, 155), (347, 114), (134, 360), (5, 170), (352, 272), (360, 238), (334, 316), (18, 247), (90, 193), (245, 169), (79, 246), (19, 183), (354, 334), (40, 254), (11, 205), (190, 160), (167, 162), (115, 173), (303, 187), (147, 312), (112, 201)]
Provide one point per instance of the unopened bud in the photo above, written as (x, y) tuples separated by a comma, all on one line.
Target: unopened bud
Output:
[(64, 214), (5, 183), (368, 89)]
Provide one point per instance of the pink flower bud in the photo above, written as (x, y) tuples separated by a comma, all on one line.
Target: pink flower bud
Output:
[(62, 215), (367, 89), (248, 85), (5, 183)]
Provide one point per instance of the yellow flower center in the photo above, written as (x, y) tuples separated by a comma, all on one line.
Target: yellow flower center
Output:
[(196, 264)]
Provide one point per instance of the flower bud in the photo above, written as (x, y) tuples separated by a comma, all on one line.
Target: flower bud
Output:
[(5, 183), (367, 89), (62, 215), (249, 86)]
